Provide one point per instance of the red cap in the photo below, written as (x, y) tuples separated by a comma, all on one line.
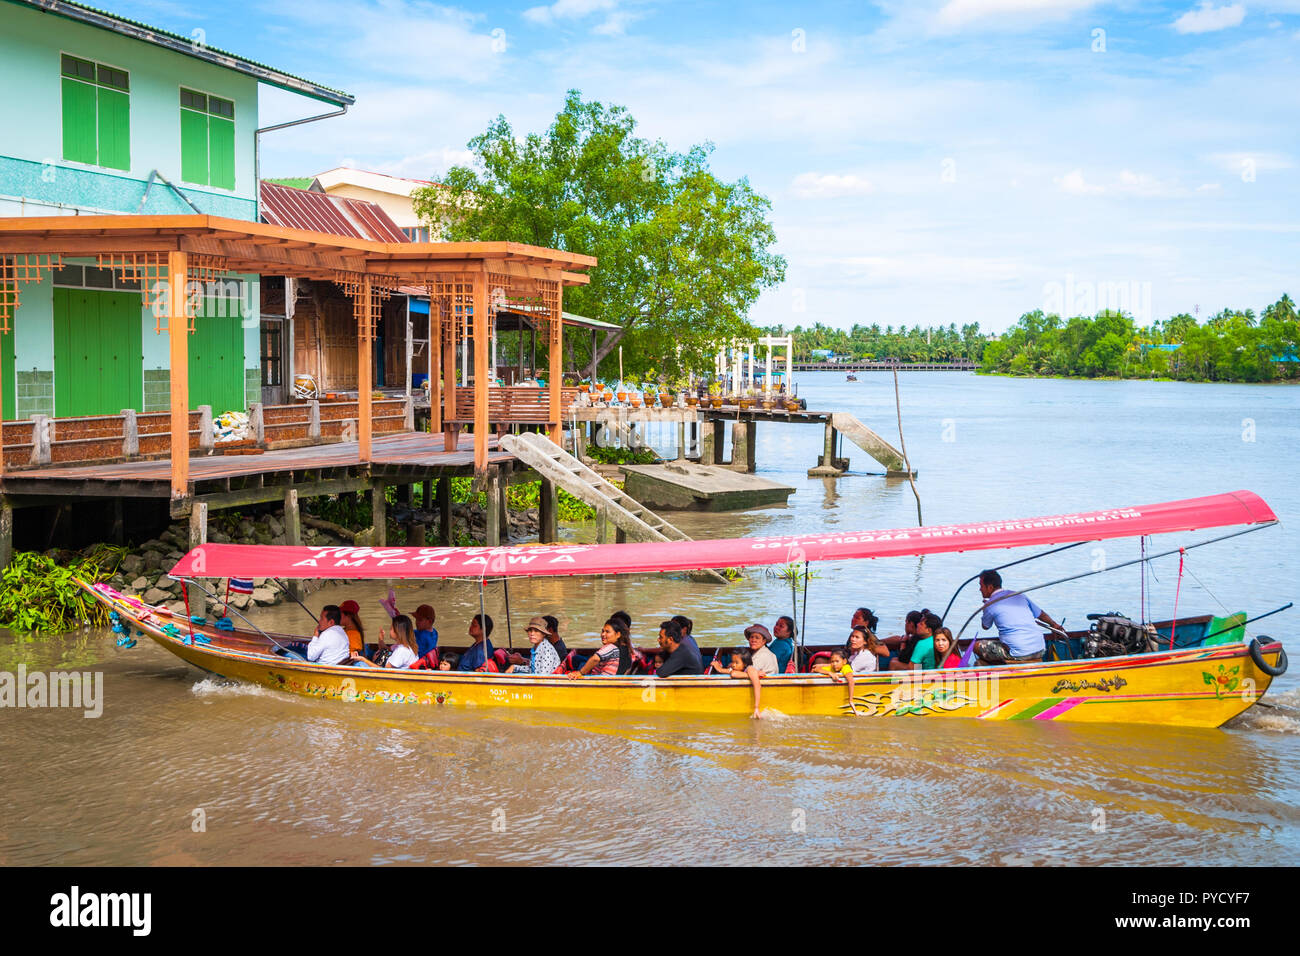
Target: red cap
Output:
[(350, 607)]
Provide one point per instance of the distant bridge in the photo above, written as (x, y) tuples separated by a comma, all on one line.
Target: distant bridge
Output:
[(963, 365)]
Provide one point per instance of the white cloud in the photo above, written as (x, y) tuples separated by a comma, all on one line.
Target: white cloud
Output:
[(959, 13), (829, 185), (1208, 188), (1073, 182), (1207, 18), (568, 10), (929, 268)]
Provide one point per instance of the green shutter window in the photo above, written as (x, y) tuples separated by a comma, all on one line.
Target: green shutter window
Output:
[(194, 147), (79, 126), (221, 152), (114, 129), (96, 113)]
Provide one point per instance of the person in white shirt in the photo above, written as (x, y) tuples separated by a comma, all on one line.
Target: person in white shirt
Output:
[(404, 649), (862, 657), (761, 662), (330, 643)]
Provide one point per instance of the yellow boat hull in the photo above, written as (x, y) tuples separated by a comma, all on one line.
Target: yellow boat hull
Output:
[(1194, 687)]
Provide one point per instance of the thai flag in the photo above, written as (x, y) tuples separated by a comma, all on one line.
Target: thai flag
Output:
[(241, 586)]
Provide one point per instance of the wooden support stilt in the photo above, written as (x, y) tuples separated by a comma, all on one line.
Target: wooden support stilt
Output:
[(548, 531), (444, 511), (363, 309), (6, 532), (198, 524), (555, 371), (178, 325), (492, 509), (482, 351), (292, 531), (379, 513), (602, 525)]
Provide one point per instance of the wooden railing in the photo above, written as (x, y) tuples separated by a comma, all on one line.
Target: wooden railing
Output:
[(514, 405), (41, 440)]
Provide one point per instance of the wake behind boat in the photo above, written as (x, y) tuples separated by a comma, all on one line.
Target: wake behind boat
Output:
[(1193, 678)]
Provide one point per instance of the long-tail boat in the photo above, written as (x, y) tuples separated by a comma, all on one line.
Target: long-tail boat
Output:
[(1193, 680)]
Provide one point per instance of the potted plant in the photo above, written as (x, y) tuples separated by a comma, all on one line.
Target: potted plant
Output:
[(692, 399), (746, 400), (715, 394)]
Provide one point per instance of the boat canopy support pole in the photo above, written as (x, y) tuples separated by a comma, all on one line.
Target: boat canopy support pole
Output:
[(1010, 564)]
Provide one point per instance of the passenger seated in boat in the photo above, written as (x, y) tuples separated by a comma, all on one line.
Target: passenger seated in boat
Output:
[(1019, 639), (917, 653), (742, 666), (614, 656), (840, 670), (543, 659), (476, 656), (863, 617), (687, 626), (782, 645), (449, 661), (426, 635), (682, 660), (863, 650), (352, 625), (329, 645), (402, 651), (945, 649), (553, 635)]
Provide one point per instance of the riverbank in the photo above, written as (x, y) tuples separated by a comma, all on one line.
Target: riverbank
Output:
[(990, 373)]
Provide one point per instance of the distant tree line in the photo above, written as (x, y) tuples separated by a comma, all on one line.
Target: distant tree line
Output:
[(1231, 346)]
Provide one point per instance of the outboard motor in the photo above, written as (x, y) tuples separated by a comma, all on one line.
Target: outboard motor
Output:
[(1114, 635)]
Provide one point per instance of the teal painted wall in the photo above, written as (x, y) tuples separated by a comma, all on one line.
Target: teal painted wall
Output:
[(31, 117)]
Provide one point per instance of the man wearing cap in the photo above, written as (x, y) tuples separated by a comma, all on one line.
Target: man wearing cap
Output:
[(426, 635), (543, 659)]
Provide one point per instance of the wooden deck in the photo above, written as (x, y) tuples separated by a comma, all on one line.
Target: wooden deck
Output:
[(336, 466)]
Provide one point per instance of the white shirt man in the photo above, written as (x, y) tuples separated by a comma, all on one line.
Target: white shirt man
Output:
[(330, 645)]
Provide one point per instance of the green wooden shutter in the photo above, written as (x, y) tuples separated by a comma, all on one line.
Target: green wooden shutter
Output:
[(9, 412), (97, 352), (114, 129), (79, 134), (194, 147), (221, 152)]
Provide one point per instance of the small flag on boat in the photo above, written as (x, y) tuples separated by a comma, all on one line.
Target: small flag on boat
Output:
[(241, 586)]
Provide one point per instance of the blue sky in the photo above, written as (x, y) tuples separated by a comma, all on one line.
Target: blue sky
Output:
[(928, 162)]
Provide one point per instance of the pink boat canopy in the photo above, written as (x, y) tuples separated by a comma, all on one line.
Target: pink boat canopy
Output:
[(270, 561)]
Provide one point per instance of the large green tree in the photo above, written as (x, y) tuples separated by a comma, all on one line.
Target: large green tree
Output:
[(682, 254)]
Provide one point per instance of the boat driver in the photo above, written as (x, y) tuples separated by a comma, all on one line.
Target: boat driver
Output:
[(330, 643), (1019, 639)]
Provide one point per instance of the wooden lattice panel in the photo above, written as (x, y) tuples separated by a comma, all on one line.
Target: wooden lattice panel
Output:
[(16, 269), (150, 270), (537, 298), (367, 308), (455, 295)]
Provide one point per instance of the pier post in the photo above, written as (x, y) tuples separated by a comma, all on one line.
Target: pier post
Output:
[(547, 505), (828, 466), (743, 435), (602, 524), (681, 440), (443, 496), (313, 420), (379, 513), (6, 532), (492, 509), (198, 524), (711, 442), (130, 434), (292, 531)]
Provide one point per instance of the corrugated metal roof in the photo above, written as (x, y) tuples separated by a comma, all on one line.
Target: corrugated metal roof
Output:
[(320, 212), (187, 46)]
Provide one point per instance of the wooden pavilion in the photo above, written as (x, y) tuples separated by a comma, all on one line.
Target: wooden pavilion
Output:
[(171, 256)]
